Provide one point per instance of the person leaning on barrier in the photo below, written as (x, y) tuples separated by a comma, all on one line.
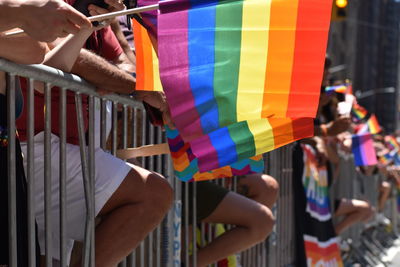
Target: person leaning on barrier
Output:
[(130, 200), (249, 210), (24, 50)]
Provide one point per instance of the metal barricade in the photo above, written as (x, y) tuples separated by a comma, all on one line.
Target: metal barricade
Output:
[(117, 122)]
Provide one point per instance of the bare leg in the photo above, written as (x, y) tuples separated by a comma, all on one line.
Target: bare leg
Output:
[(259, 187), (384, 195), (354, 211), (135, 209), (253, 224)]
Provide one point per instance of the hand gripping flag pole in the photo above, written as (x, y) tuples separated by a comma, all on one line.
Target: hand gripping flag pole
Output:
[(105, 16)]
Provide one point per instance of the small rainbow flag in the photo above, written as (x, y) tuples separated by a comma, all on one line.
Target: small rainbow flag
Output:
[(391, 142), (386, 159), (373, 125), (342, 88), (363, 150), (358, 112)]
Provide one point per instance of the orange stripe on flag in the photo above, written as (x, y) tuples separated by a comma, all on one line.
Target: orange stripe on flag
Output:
[(144, 58), (280, 57)]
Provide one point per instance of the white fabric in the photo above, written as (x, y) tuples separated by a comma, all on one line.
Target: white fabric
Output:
[(110, 172)]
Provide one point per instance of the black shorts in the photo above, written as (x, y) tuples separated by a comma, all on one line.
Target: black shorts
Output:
[(209, 196)]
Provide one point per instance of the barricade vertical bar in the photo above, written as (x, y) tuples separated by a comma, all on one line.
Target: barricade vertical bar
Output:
[(103, 123), (124, 127), (194, 237), (158, 230), (134, 125), (142, 245), (63, 174), (114, 128), (30, 177), (92, 175), (86, 182), (47, 174), (11, 160), (151, 167), (186, 200)]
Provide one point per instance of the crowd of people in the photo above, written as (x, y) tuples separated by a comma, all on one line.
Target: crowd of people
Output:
[(130, 200)]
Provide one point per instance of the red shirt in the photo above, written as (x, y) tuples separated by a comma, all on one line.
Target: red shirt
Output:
[(103, 43)]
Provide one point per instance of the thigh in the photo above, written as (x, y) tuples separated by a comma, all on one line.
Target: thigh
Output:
[(347, 206), (235, 209)]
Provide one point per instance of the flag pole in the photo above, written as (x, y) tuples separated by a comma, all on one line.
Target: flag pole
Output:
[(106, 16)]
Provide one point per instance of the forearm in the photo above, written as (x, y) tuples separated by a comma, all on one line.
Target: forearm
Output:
[(123, 42), (102, 74), (64, 55), (21, 49)]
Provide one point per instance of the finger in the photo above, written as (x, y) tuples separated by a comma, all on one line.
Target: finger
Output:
[(116, 4), (98, 9), (70, 28), (78, 18)]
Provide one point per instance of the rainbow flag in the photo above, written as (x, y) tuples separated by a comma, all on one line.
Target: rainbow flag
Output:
[(358, 112), (147, 70), (391, 143), (243, 81), (386, 159), (241, 60), (186, 164), (373, 125), (363, 150), (342, 88)]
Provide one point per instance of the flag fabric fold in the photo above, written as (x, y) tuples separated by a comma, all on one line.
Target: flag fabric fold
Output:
[(363, 150)]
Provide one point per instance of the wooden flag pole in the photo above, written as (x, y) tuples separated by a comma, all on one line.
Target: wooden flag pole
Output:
[(143, 151), (105, 16)]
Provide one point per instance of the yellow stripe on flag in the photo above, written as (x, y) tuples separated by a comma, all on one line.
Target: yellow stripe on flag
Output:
[(253, 58), (263, 135)]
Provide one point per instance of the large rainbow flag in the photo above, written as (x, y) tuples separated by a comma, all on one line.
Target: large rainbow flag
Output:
[(242, 77), (237, 73)]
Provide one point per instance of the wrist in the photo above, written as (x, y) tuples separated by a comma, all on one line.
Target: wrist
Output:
[(324, 130)]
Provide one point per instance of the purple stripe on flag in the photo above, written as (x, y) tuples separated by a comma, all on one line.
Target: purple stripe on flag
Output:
[(206, 153), (173, 28)]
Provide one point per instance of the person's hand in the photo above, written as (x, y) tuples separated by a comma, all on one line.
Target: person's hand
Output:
[(113, 6), (338, 126), (158, 101), (46, 20)]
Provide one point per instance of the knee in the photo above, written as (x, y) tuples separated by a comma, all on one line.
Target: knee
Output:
[(366, 209), (385, 187), (160, 194), (268, 189), (271, 186), (261, 224)]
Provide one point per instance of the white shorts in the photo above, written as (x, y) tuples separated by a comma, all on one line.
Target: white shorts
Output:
[(109, 174)]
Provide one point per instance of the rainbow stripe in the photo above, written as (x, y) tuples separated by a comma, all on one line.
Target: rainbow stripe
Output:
[(245, 139), (147, 70), (373, 125), (321, 253), (186, 164), (358, 112), (337, 88), (391, 143), (363, 150), (241, 60), (315, 183), (386, 159)]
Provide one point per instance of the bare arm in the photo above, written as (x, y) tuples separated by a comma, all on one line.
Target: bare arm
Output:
[(44, 20), (116, 28), (103, 74), (21, 49)]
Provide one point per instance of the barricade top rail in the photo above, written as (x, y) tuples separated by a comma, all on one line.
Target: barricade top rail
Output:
[(62, 79)]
